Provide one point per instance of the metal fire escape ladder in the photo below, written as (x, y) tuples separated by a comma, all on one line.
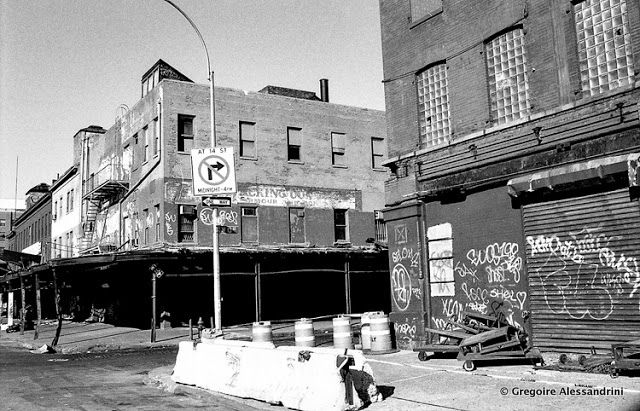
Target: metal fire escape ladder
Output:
[(91, 207)]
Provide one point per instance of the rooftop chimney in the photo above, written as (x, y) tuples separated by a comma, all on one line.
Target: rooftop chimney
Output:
[(324, 90)]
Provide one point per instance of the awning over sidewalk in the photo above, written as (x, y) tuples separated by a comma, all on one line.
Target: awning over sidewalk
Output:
[(572, 173)]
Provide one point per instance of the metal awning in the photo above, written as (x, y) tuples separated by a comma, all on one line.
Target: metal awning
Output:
[(572, 173)]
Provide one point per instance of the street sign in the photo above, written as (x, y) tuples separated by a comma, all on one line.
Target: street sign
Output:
[(213, 171), (216, 201)]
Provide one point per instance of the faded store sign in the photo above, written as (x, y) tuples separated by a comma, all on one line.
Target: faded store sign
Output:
[(282, 196)]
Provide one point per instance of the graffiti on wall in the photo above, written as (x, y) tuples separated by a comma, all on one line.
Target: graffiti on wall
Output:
[(405, 283), (488, 280), (406, 329), (177, 191), (587, 260), (228, 218), (169, 221)]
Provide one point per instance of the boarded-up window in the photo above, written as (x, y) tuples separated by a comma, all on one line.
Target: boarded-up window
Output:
[(249, 225), (440, 249), (296, 225)]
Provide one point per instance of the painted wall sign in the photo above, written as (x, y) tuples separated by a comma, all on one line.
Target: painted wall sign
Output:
[(282, 196)]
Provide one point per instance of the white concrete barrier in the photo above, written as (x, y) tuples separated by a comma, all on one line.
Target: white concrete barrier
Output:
[(301, 378)]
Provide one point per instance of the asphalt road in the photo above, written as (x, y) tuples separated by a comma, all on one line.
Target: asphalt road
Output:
[(100, 381)]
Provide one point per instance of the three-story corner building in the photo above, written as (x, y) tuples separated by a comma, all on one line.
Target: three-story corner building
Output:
[(513, 138), (302, 236)]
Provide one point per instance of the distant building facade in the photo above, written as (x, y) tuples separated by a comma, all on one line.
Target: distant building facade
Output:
[(31, 231), (514, 148), (306, 221)]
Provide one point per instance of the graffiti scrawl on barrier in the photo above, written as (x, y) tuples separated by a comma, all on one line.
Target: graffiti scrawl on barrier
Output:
[(586, 261)]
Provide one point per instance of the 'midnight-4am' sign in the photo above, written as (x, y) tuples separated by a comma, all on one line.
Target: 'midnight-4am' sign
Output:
[(213, 171)]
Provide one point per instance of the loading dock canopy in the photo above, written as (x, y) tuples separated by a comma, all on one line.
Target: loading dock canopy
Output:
[(572, 173)]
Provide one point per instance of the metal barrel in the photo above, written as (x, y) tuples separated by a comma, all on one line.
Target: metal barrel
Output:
[(304, 333), (342, 337), (365, 329), (261, 332), (379, 331)]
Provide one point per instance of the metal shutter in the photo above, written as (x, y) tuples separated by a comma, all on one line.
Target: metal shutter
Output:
[(583, 262)]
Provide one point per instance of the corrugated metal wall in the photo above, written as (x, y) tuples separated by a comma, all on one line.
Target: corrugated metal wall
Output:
[(583, 259)]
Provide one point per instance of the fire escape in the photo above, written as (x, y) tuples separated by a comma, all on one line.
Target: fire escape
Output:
[(99, 191)]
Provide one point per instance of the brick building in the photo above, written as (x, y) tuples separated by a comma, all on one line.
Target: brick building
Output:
[(303, 235), (513, 143)]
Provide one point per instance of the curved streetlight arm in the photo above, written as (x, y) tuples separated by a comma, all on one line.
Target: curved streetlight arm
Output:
[(217, 307), (209, 70)]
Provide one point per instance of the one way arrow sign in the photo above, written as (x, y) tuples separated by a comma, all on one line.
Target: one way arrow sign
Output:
[(216, 201)]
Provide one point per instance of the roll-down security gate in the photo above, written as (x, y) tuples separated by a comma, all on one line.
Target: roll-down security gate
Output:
[(583, 260)]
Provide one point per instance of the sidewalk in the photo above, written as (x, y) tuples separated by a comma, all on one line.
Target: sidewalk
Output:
[(79, 337), (406, 382)]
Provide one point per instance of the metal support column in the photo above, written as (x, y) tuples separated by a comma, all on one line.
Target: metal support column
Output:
[(36, 285), (347, 286), (153, 306), (57, 291), (258, 291), (23, 301)]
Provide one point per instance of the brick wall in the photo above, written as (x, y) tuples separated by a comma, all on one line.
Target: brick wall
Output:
[(272, 115), (457, 36)]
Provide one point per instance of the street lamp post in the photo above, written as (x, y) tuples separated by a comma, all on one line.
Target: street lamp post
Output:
[(212, 116)]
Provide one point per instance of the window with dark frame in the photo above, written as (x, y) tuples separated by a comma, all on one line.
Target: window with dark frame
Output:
[(185, 133), (71, 200), (340, 225), (247, 139), (249, 225), (145, 212), (187, 217), (156, 136), (294, 144), (145, 135), (377, 152), (338, 149), (422, 9), (157, 210)]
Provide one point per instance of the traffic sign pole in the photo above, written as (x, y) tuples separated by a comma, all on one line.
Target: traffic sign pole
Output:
[(217, 304)]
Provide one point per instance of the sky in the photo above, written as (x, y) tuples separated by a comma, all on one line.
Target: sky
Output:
[(68, 64)]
